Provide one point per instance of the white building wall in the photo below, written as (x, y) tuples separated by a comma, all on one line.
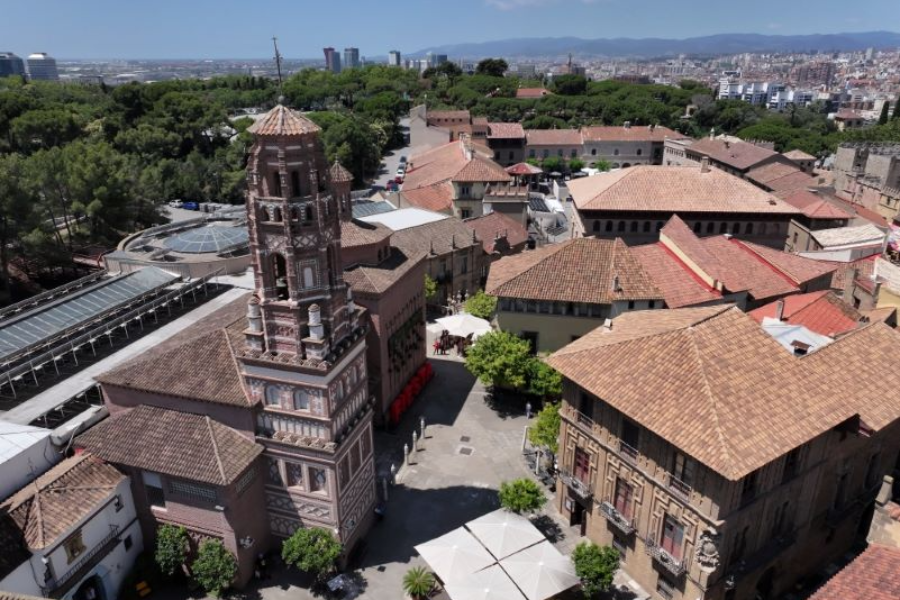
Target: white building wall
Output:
[(28, 463)]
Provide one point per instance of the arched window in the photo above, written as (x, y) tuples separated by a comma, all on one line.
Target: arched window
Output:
[(276, 215), (295, 214), (621, 226), (596, 226), (609, 225), (626, 165), (646, 226), (723, 227), (295, 183), (634, 226), (301, 400), (762, 229), (697, 227), (307, 213), (279, 270), (639, 151), (748, 228), (273, 396), (308, 278), (710, 227), (593, 152), (736, 228), (276, 184), (616, 152)]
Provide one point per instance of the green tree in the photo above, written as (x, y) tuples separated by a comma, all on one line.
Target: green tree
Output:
[(430, 287), (553, 163), (418, 583), (576, 164), (16, 212), (448, 69), (499, 358), (543, 380), (495, 67), (481, 305), (214, 568), (38, 129), (171, 549), (595, 566), (545, 429), (522, 496), (602, 165), (570, 85), (313, 550), (883, 118)]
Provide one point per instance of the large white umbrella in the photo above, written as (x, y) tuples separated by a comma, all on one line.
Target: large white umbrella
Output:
[(503, 532), (491, 584), (455, 556), (464, 324), (540, 571)]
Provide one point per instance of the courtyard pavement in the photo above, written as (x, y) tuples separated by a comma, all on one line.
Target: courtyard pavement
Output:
[(470, 447)]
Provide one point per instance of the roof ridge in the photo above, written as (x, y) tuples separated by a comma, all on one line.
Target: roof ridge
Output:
[(710, 394), (215, 445)]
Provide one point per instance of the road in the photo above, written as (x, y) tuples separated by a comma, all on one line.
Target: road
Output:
[(391, 160)]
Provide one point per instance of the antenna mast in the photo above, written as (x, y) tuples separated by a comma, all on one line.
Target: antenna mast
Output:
[(278, 67)]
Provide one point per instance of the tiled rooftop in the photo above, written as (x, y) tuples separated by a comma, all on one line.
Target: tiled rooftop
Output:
[(282, 121), (873, 575)]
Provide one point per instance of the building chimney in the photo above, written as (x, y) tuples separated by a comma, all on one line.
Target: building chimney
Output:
[(616, 284), (704, 164), (779, 310)]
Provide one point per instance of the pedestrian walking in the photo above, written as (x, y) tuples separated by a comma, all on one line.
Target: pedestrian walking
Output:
[(528, 410)]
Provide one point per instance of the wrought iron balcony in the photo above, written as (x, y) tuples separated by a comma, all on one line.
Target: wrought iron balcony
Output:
[(629, 453), (56, 588), (663, 559), (582, 489), (678, 486), (617, 519)]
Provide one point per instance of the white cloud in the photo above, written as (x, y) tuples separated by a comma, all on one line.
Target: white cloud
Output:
[(515, 4)]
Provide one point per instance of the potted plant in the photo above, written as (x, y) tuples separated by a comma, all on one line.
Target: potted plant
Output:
[(418, 583)]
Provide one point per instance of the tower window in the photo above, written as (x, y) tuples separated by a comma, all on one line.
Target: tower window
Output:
[(295, 183), (276, 184), (308, 216), (308, 278), (279, 271)]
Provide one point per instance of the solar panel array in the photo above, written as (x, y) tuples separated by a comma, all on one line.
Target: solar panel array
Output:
[(203, 240), (51, 320)]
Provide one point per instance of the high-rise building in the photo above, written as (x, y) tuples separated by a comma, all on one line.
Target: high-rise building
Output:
[(332, 60), (351, 58), (394, 58), (42, 67), (10, 64)]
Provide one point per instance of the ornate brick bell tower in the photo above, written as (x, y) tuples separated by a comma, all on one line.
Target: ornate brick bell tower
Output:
[(303, 361)]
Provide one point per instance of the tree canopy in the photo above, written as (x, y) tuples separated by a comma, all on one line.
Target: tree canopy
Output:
[(171, 549), (494, 67), (595, 566), (481, 305), (545, 429), (522, 496), (313, 550), (214, 568)]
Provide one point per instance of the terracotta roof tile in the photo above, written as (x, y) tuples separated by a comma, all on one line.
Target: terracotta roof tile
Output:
[(578, 270), (798, 155), (771, 171), (493, 225), (815, 206), (437, 197), (674, 189), (49, 506), (377, 279), (821, 312), (361, 233), (553, 137), (283, 121), (679, 286), (506, 131), (480, 169), (174, 443), (438, 236), (798, 269), (629, 134), (873, 575), (711, 382), (450, 162), (524, 169), (738, 155), (339, 173), (865, 268)]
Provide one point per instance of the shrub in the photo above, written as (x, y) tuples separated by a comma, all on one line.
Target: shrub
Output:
[(215, 567), (595, 566), (418, 583), (521, 496), (314, 550), (171, 549)]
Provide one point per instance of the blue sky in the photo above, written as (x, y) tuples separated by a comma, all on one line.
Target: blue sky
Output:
[(230, 28)]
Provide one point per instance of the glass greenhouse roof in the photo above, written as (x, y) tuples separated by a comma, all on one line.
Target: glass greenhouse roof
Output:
[(208, 239)]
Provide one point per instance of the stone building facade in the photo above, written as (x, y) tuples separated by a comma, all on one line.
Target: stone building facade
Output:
[(869, 174), (641, 467)]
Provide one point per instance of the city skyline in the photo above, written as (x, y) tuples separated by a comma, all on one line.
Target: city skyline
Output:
[(208, 30)]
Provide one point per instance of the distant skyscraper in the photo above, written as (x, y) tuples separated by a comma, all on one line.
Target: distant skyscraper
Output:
[(351, 58), (10, 64), (870, 52), (42, 67), (332, 60), (438, 59), (394, 58)]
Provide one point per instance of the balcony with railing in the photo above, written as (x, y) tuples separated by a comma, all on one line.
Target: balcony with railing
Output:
[(681, 489), (663, 559), (56, 588), (617, 519), (583, 489), (577, 417), (629, 453)]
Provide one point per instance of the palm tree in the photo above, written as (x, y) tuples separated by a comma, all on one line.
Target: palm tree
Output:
[(418, 583)]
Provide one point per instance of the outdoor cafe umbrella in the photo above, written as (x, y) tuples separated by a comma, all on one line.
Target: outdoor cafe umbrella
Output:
[(503, 532), (455, 556), (464, 325), (540, 571), (491, 584)]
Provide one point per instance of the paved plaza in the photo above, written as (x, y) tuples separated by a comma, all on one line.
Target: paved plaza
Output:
[(470, 447)]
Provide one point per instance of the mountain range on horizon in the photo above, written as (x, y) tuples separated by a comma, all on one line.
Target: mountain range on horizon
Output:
[(725, 43)]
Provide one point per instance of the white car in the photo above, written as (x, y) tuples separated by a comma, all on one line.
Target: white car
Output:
[(176, 203)]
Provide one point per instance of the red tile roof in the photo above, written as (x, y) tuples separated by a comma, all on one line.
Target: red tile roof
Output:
[(738, 155), (451, 162), (339, 173), (674, 189), (438, 197), (865, 268), (553, 137), (531, 93), (821, 312), (524, 169), (629, 134), (377, 279), (493, 225), (873, 575), (503, 131), (283, 121), (578, 270), (815, 206), (678, 284), (481, 170)]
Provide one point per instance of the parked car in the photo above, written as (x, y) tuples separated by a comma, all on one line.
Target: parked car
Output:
[(401, 172), (191, 206), (402, 160), (398, 179), (176, 204)]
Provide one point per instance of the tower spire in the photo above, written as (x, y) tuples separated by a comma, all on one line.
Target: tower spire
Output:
[(278, 68)]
